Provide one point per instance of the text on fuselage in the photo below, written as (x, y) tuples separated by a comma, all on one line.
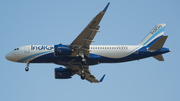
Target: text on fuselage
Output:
[(42, 47)]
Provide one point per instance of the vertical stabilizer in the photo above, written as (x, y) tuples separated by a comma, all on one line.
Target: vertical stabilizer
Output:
[(156, 33)]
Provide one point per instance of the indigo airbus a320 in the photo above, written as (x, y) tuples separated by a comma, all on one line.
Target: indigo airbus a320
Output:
[(79, 55)]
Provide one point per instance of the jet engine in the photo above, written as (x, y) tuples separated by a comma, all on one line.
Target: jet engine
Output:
[(62, 50), (62, 73)]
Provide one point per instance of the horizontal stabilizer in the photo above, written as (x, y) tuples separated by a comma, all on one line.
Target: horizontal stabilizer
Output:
[(159, 57), (158, 44)]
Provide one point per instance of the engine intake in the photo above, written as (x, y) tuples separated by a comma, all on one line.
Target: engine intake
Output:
[(62, 73)]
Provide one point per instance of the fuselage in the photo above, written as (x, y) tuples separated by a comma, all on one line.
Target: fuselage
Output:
[(98, 54)]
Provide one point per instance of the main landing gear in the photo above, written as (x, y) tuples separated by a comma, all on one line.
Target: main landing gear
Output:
[(27, 68), (81, 54), (83, 75), (83, 62)]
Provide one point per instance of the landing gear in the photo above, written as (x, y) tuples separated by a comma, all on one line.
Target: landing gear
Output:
[(83, 76), (27, 68), (81, 54), (83, 61)]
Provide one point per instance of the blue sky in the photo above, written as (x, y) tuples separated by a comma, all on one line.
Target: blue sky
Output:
[(126, 22)]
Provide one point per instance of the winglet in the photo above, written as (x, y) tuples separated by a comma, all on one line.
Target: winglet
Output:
[(102, 78), (105, 8)]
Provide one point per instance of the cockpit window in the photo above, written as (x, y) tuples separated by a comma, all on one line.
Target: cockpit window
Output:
[(16, 49)]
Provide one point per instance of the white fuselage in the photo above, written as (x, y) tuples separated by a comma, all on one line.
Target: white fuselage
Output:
[(30, 52)]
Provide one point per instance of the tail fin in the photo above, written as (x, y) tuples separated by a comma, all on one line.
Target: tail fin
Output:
[(155, 34)]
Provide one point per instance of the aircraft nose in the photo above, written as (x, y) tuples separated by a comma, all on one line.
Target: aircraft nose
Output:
[(8, 56), (11, 56)]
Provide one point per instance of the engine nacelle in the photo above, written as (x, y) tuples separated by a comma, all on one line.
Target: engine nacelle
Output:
[(62, 50), (62, 73)]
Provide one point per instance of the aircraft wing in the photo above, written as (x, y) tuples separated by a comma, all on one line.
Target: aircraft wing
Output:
[(85, 38), (89, 76)]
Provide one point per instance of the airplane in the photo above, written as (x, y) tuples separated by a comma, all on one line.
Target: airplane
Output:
[(79, 55)]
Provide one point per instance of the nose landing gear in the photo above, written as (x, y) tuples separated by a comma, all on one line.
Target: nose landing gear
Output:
[(27, 68)]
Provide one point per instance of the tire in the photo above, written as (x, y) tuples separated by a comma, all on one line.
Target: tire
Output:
[(26, 69), (83, 76), (83, 61)]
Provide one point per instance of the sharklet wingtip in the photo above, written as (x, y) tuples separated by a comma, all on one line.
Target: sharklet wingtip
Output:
[(105, 8), (102, 78)]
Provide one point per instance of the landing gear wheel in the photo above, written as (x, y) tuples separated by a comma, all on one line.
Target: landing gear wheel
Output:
[(83, 76), (83, 61), (26, 69)]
